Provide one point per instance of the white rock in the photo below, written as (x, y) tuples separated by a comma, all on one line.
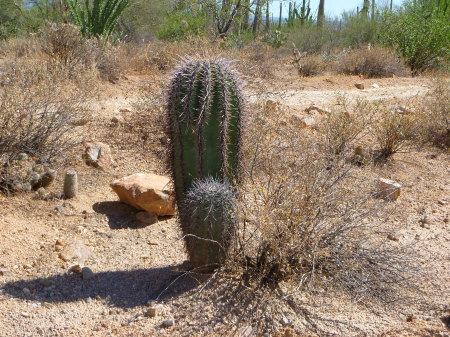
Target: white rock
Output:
[(167, 323), (388, 189)]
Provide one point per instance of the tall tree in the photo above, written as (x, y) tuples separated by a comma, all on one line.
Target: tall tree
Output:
[(321, 13)]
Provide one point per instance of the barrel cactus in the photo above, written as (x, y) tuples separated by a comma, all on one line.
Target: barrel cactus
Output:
[(204, 113)]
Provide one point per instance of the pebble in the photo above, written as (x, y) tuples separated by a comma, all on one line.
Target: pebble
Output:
[(393, 237), (87, 273), (25, 314), (424, 219), (88, 300), (76, 269), (167, 323), (152, 311), (26, 291), (284, 321)]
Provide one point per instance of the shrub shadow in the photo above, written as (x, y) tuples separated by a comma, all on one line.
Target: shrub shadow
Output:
[(125, 289)]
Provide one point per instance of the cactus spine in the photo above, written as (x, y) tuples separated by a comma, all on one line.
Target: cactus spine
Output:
[(204, 109)]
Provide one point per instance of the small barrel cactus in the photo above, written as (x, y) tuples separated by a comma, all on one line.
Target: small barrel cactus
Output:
[(205, 114), (70, 187), (209, 210)]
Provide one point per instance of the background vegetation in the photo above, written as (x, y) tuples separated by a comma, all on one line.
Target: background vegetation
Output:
[(417, 30)]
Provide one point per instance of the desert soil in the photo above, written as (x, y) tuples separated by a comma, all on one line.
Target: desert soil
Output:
[(134, 265)]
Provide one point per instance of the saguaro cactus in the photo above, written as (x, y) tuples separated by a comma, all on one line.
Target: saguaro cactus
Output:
[(204, 108)]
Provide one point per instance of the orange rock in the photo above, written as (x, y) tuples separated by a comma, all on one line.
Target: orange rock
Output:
[(146, 191)]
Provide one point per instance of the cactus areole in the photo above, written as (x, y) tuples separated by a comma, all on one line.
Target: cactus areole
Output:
[(204, 111), (204, 107)]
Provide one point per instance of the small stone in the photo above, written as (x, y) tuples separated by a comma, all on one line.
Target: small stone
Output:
[(388, 189), (75, 251), (153, 311), (25, 314), (124, 110), (116, 119), (442, 202), (22, 156), (359, 86), (87, 273), (76, 269), (147, 218), (285, 322), (167, 323), (81, 230), (26, 291), (424, 219), (410, 318), (164, 140), (88, 300), (375, 86), (27, 266), (3, 272), (393, 237), (98, 155)]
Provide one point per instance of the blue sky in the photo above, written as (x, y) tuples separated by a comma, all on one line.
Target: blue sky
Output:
[(333, 8)]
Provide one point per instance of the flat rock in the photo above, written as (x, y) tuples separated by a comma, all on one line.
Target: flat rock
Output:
[(147, 192), (98, 154), (359, 86), (75, 251)]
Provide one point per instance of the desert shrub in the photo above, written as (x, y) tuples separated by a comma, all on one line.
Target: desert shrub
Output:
[(420, 32), (109, 63), (434, 114), (183, 23), (307, 66), (256, 59), (19, 47), (308, 222), (371, 62), (392, 133), (64, 45), (344, 126), (38, 107)]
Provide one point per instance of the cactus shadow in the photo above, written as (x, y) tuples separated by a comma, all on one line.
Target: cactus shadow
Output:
[(119, 215), (124, 289)]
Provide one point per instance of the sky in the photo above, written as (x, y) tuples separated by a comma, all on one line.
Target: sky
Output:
[(333, 8)]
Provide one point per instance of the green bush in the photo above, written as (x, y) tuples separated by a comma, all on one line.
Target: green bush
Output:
[(181, 24), (420, 31)]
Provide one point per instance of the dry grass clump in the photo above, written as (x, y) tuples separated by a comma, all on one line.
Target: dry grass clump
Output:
[(38, 105), (435, 113), (393, 132), (19, 47), (310, 221), (256, 60), (343, 127), (371, 62)]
